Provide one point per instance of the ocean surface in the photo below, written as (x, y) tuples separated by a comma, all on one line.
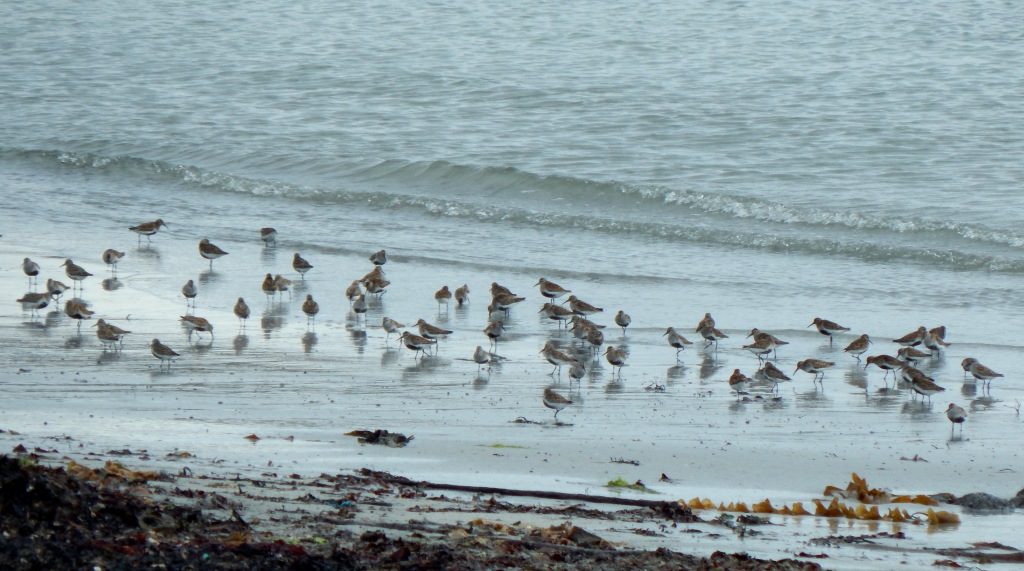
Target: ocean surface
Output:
[(765, 162)]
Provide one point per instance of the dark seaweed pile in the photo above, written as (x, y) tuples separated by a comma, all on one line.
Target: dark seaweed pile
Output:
[(50, 519)]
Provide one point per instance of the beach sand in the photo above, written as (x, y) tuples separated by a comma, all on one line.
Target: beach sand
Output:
[(300, 389)]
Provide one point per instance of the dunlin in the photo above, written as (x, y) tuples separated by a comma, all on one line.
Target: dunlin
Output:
[(826, 327), (555, 401), (576, 372), (494, 330), (74, 271), (462, 295), (56, 288), (738, 382), (190, 291), (390, 326), (858, 346), (108, 333), (773, 374), (594, 338), (579, 327), (283, 284), (557, 357), (925, 386), (956, 415), (197, 325), (983, 373), (268, 286), (301, 265), (556, 313), (705, 322), (147, 229), (354, 290), (107, 338), (77, 310), (269, 236), (912, 355), (497, 288), (623, 320), (210, 251), (616, 357), (908, 372), (359, 307), (377, 273), (33, 302), (580, 307), (504, 301), (431, 331), (913, 338), (481, 358), (762, 345), (310, 308), (887, 363), (163, 352), (775, 341), (442, 296), (935, 341), (550, 289), (416, 342), (241, 312), (111, 257), (711, 336), (677, 341), (815, 367), (376, 286), (379, 258), (31, 270)]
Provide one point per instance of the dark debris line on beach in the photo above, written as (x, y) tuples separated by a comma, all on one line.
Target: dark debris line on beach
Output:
[(51, 519)]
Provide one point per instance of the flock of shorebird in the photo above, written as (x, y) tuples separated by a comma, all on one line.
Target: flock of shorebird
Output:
[(573, 314)]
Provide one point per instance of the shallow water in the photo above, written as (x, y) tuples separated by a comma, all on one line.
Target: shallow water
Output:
[(858, 166)]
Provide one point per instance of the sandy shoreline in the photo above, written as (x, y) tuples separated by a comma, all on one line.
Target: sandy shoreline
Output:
[(300, 390)]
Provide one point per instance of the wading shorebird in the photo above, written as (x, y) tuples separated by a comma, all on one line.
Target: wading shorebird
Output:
[(443, 297), (33, 302), (390, 326), (210, 251), (31, 270), (815, 367), (555, 401), (310, 308), (462, 295), (826, 327), (956, 415), (75, 272), (858, 346), (738, 382), (913, 338), (111, 257), (379, 258), (980, 372), (147, 229), (242, 312), (301, 265), (269, 237), (622, 319), (189, 291), (616, 357), (163, 352), (417, 343), (550, 289), (676, 341), (196, 325)]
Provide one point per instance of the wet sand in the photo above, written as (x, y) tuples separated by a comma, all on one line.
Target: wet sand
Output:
[(301, 389)]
